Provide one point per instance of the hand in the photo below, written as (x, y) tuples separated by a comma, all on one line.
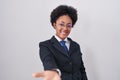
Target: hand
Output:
[(47, 75)]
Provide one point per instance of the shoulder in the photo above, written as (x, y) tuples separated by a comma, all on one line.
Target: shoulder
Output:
[(44, 43), (49, 41), (74, 42)]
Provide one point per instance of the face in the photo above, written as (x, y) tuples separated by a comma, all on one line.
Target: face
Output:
[(63, 26)]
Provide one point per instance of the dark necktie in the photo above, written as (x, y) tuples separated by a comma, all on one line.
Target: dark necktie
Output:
[(64, 46)]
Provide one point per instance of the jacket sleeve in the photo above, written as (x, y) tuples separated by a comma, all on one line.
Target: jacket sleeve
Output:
[(47, 57), (83, 72), (82, 69)]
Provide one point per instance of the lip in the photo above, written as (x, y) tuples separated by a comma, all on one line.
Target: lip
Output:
[(64, 33)]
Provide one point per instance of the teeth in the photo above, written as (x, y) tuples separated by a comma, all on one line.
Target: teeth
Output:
[(63, 33)]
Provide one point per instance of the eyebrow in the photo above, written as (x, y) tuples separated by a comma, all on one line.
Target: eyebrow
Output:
[(64, 22)]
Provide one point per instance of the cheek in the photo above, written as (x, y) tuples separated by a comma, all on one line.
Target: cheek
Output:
[(58, 29), (69, 31)]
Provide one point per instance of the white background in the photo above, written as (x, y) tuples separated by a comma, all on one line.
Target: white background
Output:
[(25, 23)]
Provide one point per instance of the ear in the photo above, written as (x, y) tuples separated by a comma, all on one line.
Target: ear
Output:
[(54, 25)]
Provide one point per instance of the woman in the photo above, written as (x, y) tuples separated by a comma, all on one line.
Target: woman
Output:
[(60, 55)]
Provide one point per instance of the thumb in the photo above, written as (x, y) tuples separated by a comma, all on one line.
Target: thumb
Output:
[(38, 74)]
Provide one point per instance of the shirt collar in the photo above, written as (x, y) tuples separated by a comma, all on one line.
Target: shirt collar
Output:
[(60, 39)]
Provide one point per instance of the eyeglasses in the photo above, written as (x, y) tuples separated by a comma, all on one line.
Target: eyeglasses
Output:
[(69, 25)]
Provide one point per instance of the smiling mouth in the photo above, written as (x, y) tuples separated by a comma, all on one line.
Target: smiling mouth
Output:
[(64, 33)]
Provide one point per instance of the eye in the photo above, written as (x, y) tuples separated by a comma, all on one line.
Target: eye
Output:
[(61, 24), (69, 25)]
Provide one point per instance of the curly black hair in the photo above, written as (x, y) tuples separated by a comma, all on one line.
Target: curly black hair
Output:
[(63, 10)]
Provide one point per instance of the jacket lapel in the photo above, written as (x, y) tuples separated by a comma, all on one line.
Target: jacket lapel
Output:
[(57, 45), (72, 46)]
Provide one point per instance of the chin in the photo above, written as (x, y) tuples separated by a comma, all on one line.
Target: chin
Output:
[(63, 37)]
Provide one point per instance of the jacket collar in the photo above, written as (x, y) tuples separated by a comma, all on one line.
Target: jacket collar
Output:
[(58, 46)]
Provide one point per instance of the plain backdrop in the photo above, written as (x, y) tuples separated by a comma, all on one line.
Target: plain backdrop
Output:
[(25, 23)]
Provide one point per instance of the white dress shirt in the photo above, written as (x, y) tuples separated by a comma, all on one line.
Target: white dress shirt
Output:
[(66, 40)]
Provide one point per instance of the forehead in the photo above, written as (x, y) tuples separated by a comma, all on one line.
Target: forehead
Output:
[(64, 19)]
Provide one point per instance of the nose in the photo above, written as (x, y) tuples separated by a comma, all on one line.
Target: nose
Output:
[(65, 28)]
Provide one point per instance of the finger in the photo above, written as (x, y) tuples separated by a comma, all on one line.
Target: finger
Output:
[(37, 75)]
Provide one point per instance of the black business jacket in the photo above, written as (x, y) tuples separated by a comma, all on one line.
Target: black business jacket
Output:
[(70, 64)]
